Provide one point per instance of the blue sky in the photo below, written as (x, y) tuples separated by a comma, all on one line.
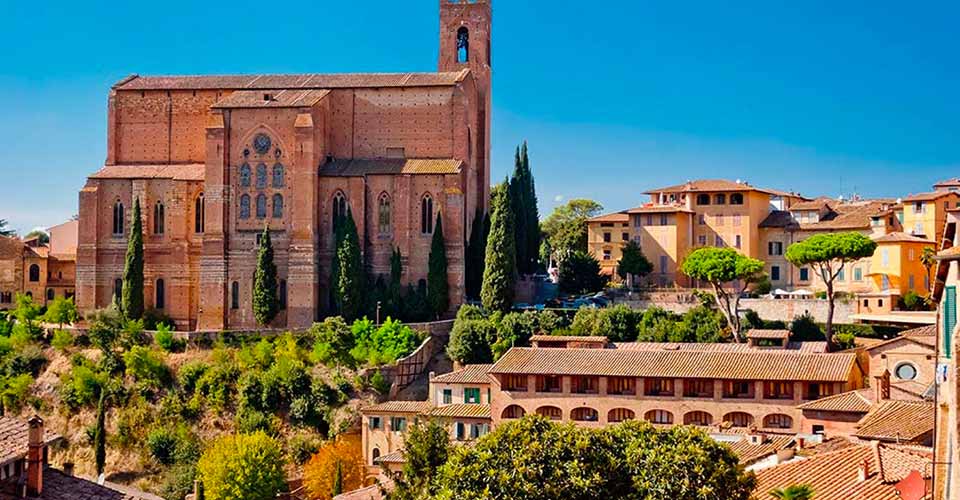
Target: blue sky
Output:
[(614, 98)]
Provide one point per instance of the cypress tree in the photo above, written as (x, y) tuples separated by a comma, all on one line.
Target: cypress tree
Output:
[(132, 300), (531, 211), (338, 480), (265, 303), (350, 281), (100, 433), (518, 206), (438, 289), (500, 271)]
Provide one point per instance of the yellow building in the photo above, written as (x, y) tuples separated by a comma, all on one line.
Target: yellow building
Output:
[(896, 267), (924, 214)]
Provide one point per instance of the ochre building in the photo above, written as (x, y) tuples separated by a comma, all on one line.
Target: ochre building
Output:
[(215, 159)]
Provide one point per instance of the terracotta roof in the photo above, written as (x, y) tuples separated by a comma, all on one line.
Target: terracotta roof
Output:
[(897, 421), (302, 81), (948, 183), (747, 365), (60, 486), (372, 492), (834, 475), (847, 402), (657, 209), (748, 452), (417, 407), (758, 333), (390, 166), (899, 237), (14, 438), (470, 374), (814, 204), (272, 98), (949, 254), (778, 218), (930, 196), (191, 172), (926, 335), (713, 185), (461, 410), (854, 215), (395, 457), (568, 338), (808, 346), (612, 217)]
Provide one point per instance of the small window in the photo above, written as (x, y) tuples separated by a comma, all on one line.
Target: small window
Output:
[(426, 214), (701, 219), (339, 207), (161, 295), (34, 273), (282, 292), (659, 417), (905, 371), (606, 237), (118, 218), (245, 175), (703, 199), (775, 273), (804, 274), (720, 199), (398, 424), (158, 216), (261, 206), (199, 214), (625, 236), (447, 396), (374, 456), (245, 206), (277, 206), (374, 423), (664, 219), (277, 180), (463, 45), (50, 294), (471, 395), (383, 213), (261, 176), (736, 199), (235, 295)]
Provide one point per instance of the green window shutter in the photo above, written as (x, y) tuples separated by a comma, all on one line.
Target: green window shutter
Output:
[(949, 319)]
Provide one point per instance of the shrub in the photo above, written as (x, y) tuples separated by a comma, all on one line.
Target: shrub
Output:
[(379, 382), (805, 328), (14, 392), (249, 420), (178, 481), (216, 384), (27, 359), (189, 374), (162, 443), (470, 341), (250, 390), (242, 467), (320, 471), (103, 334), (132, 334), (385, 344), (911, 301), (618, 323), (152, 319), (300, 447), (146, 367), (164, 338), (62, 340)]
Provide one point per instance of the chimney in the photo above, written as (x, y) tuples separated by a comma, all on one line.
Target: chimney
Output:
[(68, 468), (863, 472), (800, 443), (35, 457), (883, 386)]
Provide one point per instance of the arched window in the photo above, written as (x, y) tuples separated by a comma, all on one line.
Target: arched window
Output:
[(463, 45), (383, 213), (720, 199), (277, 206), (199, 213), (426, 214), (584, 414), (658, 417), (118, 289), (158, 218), (245, 175), (161, 295), (620, 415), (738, 419), (697, 418), (513, 411), (261, 206), (245, 206), (282, 299), (777, 421), (277, 180), (235, 295), (261, 176), (703, 199), (49, 293), (118, 218), (374, 456), (339, 207), (736, 199), (34, 273), (551, 412)]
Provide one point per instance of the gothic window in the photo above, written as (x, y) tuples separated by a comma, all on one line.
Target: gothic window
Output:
[(118, 218), (277, 206), (383, 214), (158, 218), (245, 206), (339, 207), (50, 294), (199, 214), (245, 175), (161, 295), (261, 176), (283, 295), (34, 273), (278, 176), (463, 45), (426, 214), (261, 206), (235, 295)]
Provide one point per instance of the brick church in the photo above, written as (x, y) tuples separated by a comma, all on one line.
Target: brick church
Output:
[(214, 159)]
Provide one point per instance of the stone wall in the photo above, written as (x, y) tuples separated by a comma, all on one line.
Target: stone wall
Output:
[(768, 309)]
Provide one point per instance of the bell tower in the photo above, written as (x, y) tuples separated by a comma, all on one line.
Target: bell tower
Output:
[(465, 27)]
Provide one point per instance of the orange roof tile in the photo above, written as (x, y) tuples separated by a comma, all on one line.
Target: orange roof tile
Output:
[(390, 166), (272, 98), (854, 215), (714, 185), (897, 421), (568, 338), (806, 346), (14, 437), (951, 253), (834, 475), (847, 402), (930, 196), (758, 333), (190, 172), (470, 374), (814, 204), (461, 410), (611, 217), (657, 209), (302, 81), (741, 365), (418, 407), (748, 452), (900, 237)]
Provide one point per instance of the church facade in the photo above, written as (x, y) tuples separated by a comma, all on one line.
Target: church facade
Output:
[(213, 160)]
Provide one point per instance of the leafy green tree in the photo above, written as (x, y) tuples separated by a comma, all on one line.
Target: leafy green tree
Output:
[(566, 228), (266, 304), (500, 273), (100, 434), (334, 340), (928, 260), (132, 304), (42, 236), (580, 273), (633, 263), (794, 492), (61, 311), (242, 467), (730, 273), (471, 340), (827, 254), (438, 288), (426, 448), (351, 279), (5, 231)]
